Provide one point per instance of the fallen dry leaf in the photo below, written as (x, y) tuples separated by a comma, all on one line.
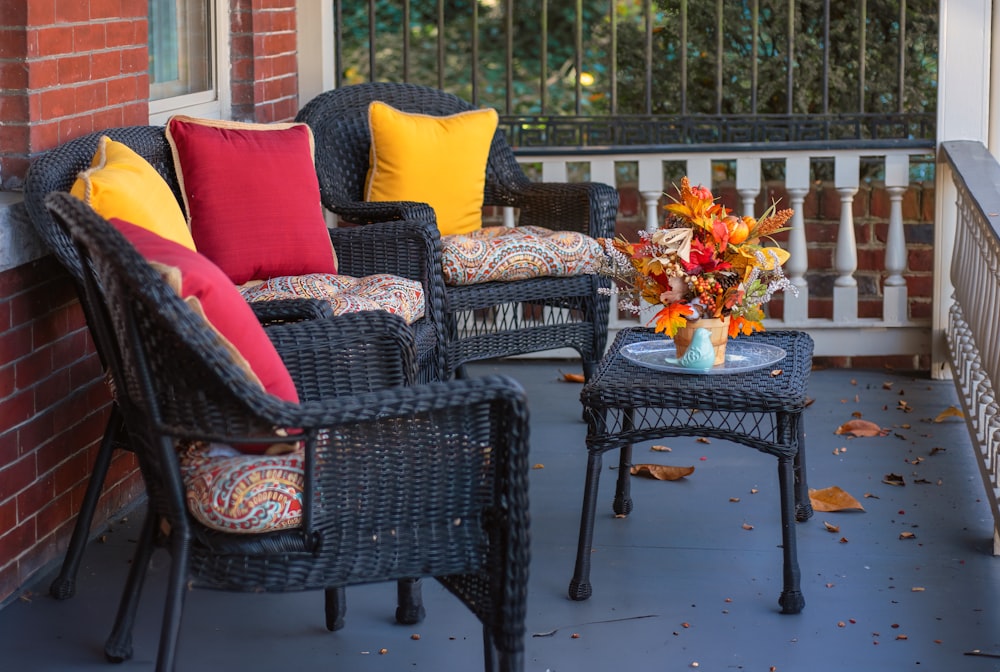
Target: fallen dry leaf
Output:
[(861, 428), (777, 372), (950, 412), (938, 449), (833, 529), (747, 526), (833, 499), (893, 479), (702, 439), (917, 589), (734, 499), (907, 535), (661, 449), (661, 472), (538, 466), (573, 377)]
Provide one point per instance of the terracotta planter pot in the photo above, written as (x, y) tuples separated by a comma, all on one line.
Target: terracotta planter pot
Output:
[(718, 329)]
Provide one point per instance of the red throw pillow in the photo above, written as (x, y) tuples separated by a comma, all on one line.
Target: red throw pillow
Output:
[(222, 306), (252, 197)]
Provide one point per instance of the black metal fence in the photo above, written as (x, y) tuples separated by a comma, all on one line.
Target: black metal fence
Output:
[(638, 72)]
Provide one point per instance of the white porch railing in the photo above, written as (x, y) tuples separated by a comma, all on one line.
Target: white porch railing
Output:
[(973, 329), (845, 334)]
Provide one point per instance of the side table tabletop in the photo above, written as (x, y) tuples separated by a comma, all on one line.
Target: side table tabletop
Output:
[(624, 403)]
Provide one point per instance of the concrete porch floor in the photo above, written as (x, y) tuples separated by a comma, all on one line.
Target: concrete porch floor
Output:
[(680, 584)]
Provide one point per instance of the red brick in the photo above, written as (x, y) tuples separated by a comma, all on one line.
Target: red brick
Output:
[(16, 542), (15, 343), (122, 34), (16, 476), (50, 41), (122, 89), (105, 65), (8, 515), (56, 103), (41, 13), (35, 433), (13, 76), (919, 285), (137, 113), (14, 137), (74, 127), (42, 73), (54, 515), (88, 36), (13, 12), (91, 97), (135, 60), (44, 135), (920, 259), (36, 495), (13, 43), (72, 11)]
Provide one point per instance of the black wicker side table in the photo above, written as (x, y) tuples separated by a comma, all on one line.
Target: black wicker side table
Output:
[(625, 403)]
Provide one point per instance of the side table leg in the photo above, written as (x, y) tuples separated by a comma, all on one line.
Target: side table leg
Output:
[(791, 600), (622, 504), (579, 586), (623, 491), (803, 505)]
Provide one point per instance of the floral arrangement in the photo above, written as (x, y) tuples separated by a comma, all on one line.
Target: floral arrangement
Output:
[(702, 263)]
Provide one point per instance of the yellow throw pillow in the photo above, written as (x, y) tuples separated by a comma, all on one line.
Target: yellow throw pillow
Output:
[(122, 184), (440, 161)]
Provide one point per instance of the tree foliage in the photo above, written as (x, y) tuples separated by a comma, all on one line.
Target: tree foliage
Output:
[(545, 72)]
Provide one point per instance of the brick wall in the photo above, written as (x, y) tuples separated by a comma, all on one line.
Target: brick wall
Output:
[(263, 54), (70, 67)]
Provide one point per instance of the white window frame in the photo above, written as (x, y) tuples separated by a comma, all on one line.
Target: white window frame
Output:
[(215, 104)]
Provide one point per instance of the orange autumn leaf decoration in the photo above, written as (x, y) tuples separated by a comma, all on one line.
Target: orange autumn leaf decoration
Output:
[(661, 472), (833, 499)]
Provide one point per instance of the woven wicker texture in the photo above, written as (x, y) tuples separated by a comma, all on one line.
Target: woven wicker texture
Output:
[(625, 403), (401, 481), (492, 319), (404, 248)]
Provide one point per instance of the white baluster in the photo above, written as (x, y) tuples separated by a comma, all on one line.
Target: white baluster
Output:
[(748, 183), (797, 184), (651, 188), (894, 301), (845, 290)]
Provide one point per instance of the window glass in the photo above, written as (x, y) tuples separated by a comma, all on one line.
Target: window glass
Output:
[(180, 48)]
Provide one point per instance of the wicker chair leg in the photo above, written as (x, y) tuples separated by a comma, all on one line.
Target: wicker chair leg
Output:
[(409, 602), (64, 586), (118, 646), (335, 607), (491, 658), (176, 592)]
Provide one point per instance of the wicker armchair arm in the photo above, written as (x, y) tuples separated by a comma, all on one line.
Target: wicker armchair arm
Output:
[(363, 212), (290, 310), (587, 207)]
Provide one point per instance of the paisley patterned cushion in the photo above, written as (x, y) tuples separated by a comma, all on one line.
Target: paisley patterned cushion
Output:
[(498, 253), (396, 295), (234, 492)]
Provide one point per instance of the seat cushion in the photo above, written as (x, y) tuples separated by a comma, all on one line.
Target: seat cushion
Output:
[(501, 254), (252, 197), (122, 184), (440, 161), (232, 492), (396, 295), (210, 293)]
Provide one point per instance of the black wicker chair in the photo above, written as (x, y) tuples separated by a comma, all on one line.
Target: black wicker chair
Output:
[(409, 250), (487, 320), (405, 481)]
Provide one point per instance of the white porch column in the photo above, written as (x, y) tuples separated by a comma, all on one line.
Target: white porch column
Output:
[(964, 57), (314, 23)]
